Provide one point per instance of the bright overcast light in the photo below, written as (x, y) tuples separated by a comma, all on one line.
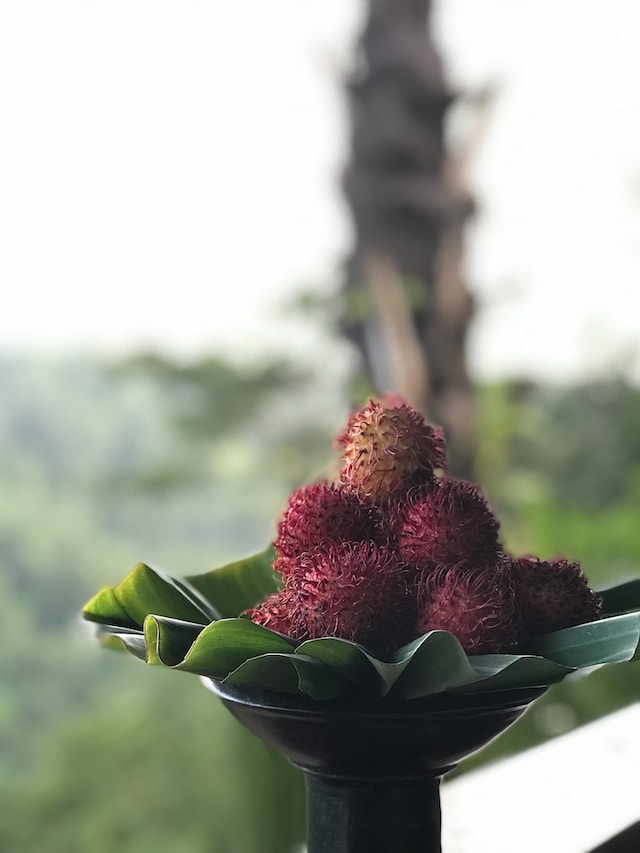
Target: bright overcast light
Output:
[(169, 170)]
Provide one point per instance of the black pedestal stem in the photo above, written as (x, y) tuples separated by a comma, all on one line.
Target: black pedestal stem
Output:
[(372, 815)]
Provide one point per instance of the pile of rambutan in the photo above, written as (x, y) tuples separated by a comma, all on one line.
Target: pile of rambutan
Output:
[(393, 548)]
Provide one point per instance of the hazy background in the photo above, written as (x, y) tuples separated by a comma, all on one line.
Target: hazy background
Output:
[(169, 172), (168, 182)]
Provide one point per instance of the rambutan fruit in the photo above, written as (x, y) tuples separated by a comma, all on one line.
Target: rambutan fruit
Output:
[(552, 594), (389, 449), (358, 591), (322, 513), (280, 612), (476, 605), (448, 524)]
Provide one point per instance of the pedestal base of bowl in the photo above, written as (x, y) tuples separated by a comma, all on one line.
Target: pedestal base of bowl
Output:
[(373, 769)]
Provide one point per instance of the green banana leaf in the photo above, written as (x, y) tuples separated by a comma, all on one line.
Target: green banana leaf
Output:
[(240, 585), (615, 639), (215, 650), (621, 598), (192, 625), (144, 591), (290, 674)]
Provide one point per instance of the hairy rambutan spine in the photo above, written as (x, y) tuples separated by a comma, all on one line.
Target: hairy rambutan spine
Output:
[(389, 449), (552, 594), (448, 524), (358, 591), (320, 514), (476, 605)]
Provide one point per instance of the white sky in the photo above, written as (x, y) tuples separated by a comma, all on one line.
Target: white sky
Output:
[(168, 172)]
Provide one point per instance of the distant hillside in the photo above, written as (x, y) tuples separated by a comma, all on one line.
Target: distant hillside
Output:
[(73, 439)]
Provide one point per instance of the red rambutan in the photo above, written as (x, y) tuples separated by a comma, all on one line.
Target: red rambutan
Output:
[(389, 449), (552, 594), (318, 514), (476, 605), (354, 590), (280, 612), (449, 524)]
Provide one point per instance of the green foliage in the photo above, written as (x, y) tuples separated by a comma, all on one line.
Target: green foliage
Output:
[(79, 728), (214, 395), (154, 776), (258, 416), (577, 446), (238, 585)]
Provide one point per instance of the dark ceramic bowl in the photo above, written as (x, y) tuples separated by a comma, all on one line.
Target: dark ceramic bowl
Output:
[(372, 769)]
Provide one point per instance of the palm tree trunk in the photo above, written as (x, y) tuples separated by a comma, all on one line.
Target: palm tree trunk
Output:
[(406, 306)]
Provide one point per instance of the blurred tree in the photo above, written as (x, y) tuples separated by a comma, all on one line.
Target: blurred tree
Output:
[(576, 446), (276, 410), (406, 307), (584, 441), (216, 395)]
